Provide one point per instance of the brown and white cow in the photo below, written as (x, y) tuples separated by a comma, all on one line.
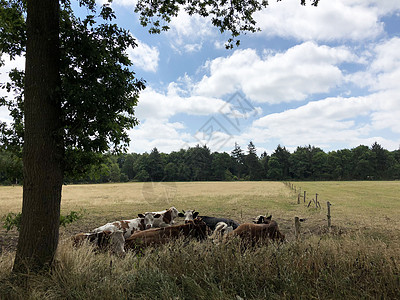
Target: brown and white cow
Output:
[(145, 221), (254, 233), (194, 229), (165, 217), (104, 240)]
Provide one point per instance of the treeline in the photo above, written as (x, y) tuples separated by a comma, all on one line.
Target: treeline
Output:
[(199, 164)]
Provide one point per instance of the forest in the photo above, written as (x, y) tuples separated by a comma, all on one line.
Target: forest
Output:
[(200, 164)]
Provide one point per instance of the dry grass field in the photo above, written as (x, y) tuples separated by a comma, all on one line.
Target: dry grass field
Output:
[(356, 206), (359, 255)]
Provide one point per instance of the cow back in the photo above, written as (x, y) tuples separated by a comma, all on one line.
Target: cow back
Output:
[(256, 232), (212, 222), (166, 234)]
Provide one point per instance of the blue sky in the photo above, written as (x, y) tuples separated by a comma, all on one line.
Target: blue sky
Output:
[(328, 76)]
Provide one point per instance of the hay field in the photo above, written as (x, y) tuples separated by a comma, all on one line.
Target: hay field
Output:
[(371, 207), (358, 258), (103, 203)]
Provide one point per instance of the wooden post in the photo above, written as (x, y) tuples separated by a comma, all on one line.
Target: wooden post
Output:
[(304, 197), (295, 189), (329, 213), (298, 198), (297, 227)]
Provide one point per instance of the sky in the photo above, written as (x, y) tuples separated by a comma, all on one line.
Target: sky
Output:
[(326, 76)]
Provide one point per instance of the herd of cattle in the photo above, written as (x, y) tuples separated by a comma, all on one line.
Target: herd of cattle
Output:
[(153, 228)]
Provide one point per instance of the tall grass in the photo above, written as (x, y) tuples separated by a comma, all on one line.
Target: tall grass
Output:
[(338, 267)]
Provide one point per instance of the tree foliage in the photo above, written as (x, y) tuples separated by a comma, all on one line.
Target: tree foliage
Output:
[(99, 92), (198, 164), (235, 17), (13, 27)]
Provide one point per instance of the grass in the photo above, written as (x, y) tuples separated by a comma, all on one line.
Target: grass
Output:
[(370, 206), (359, 258)]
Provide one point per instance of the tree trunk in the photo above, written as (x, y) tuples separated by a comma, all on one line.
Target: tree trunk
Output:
[(43, 140)]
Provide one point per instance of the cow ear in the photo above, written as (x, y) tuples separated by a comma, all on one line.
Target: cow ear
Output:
[(183, 211), (157, 216), (181, 214), (195, 214), (269, 217), (141, 215)]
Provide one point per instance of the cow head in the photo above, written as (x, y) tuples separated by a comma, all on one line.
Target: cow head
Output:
[(189, 215), (147, 220), (174, 212), (262, 219), (169, 215)]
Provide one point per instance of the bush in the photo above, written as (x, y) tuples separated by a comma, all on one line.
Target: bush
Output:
[(71, 217), (12, 220)]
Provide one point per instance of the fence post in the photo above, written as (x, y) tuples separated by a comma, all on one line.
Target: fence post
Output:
[(329, 213), (297, 227), (304, 197), (298, 198)]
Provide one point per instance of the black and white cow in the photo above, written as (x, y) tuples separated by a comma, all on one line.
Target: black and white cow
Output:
[(262, 219), (211, 222)]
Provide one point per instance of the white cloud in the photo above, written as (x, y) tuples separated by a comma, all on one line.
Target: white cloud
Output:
[(164, 135), (323, 123), (144, 56), (159, 105), (124, 3), (279, 77), (346, 121), (383, 68), (330, 21), (187, 33), (387, 58), (18, 63), (157, 133)]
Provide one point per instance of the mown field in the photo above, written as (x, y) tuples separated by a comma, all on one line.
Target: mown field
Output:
[(359, 257)]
